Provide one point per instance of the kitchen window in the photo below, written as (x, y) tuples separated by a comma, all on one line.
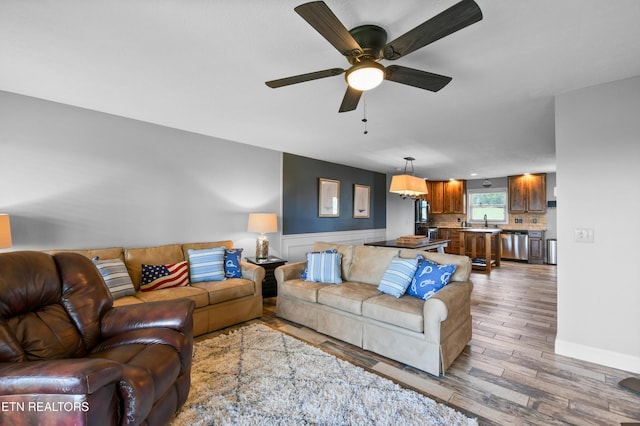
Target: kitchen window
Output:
[(491, 202)]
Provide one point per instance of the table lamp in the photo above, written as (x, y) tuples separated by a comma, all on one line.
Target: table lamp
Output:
[(262, 223), (5, 231)]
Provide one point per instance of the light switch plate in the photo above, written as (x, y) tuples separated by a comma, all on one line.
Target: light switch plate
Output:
[(583, 235)]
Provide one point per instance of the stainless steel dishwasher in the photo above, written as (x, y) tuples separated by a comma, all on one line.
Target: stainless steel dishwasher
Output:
[(515, 244)]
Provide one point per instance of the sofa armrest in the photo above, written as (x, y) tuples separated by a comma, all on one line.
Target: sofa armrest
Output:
[(452, 302), (289, 271), (81, 376), (175, 314), (254, 273)]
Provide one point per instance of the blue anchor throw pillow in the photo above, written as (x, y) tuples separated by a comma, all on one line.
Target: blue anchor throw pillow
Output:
[(429, 278), (232, 263)]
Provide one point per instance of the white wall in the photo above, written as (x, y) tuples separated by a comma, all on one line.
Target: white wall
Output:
[(74, 178), (598, 153), (400, 215)]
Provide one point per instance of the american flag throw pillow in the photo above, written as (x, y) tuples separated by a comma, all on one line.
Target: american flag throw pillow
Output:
[(155, 277)]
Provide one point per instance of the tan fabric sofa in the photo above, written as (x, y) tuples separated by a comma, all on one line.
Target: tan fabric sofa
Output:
[(428, 335), (218, 304)]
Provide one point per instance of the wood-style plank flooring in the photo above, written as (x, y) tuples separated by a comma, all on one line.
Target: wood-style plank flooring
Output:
[(508, 374)]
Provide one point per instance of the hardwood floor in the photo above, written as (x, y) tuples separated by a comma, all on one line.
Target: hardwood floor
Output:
[(508, 374)]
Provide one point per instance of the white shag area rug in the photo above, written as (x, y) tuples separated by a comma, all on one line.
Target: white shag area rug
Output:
[(259, 376)]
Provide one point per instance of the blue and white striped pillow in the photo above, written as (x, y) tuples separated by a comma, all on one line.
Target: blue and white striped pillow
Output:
[(116, 277), (398, 276), (324, 267), (206, 264)]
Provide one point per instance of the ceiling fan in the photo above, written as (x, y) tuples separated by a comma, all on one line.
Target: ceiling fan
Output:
[(364, 46)]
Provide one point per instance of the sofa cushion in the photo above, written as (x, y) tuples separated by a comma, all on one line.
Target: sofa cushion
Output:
[(429, 278), (229, 289), (160, 255), (347, 297), (155, 277), (198, 295), (301, 289), (345, 251), (232, 260), (405, 312), (398, 276), (370, 263), (115, 276), (206, 264), (324, 267)]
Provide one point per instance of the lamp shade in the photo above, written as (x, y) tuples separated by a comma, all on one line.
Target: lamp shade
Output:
[(263, 223), (408, 186), (5, 231)]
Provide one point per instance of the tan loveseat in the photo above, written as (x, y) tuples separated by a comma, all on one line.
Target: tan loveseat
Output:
[(428, 335), (218, 304)]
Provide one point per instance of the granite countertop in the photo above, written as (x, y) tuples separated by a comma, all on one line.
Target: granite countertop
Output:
[(482, 230)]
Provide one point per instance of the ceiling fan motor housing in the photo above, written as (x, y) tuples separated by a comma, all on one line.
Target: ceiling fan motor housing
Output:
[(371, 38)]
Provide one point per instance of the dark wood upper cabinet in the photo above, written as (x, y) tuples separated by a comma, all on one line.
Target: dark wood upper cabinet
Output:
[(528, 193), (446, 197), (436, 196)]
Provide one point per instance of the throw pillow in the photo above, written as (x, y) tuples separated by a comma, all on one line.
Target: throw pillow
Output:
[(398, 276), (156, 277), (324, 268), (115, 275), (232, 263), (206, 264), (429, 278), (306, 268)]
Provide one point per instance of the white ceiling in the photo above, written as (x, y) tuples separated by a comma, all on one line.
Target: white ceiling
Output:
[(200, 65)]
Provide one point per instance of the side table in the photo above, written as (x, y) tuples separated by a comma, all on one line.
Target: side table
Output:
[(269, 284)]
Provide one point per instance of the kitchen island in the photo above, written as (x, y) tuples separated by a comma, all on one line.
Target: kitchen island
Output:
[(489, 234), (429, 244)]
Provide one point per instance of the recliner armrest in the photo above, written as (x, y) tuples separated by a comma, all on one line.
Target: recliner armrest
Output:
[(61, 376), (175, 314)]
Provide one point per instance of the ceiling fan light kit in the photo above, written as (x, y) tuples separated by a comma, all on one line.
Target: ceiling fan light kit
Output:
[(365, 75), (365, 45)]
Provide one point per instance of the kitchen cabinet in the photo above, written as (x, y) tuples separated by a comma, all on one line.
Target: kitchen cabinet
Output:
[(477, 241), (447, 197), (536, 246), (453, 235), (527, 193)]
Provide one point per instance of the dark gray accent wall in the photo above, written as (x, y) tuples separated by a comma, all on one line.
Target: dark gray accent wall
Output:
[(300, 176)]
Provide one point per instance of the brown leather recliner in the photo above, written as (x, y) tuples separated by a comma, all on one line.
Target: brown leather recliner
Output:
[(68, 357)]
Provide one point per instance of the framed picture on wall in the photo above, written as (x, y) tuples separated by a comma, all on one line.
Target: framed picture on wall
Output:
[(361, 201), (329, 198)]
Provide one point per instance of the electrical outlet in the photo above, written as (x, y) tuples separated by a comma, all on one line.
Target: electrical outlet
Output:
[(583, 235)]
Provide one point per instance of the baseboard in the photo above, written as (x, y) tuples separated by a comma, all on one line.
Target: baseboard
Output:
[(599, 356)]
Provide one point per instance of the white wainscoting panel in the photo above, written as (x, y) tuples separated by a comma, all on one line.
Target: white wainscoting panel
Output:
[(295, 246)]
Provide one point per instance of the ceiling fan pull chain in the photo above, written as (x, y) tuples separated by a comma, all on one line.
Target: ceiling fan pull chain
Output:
[(364, 112)]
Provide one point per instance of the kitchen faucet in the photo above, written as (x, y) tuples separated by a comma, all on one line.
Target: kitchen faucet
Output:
[(486, 224)]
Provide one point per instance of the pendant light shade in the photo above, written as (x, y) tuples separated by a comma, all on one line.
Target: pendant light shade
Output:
[(406, 185)]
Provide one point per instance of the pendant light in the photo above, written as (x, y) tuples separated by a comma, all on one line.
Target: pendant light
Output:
[(407, 185)]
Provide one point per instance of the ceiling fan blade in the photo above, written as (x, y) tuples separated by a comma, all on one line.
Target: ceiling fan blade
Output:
[(416, 78), (457, 17), (350, 100), (320, 17), (304, 77)]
